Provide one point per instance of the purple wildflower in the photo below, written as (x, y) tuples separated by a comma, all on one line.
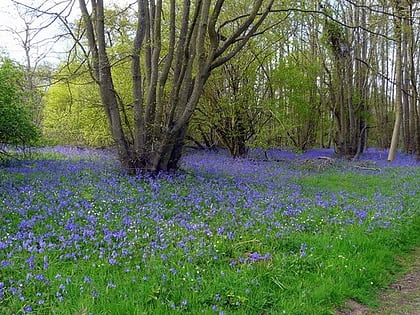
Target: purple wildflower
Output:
[(27, 309), (45, 262), (40, 277), (303, 250), (31, 262)]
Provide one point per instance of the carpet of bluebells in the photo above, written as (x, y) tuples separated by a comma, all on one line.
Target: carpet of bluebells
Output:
[(277, 232)]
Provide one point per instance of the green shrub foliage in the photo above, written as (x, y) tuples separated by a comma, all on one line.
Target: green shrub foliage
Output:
[(73, 113), (16, 125)]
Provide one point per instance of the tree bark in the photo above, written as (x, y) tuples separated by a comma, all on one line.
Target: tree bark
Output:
[(398, 77)]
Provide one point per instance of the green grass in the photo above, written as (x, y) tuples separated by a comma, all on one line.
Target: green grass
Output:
[(365, 184)]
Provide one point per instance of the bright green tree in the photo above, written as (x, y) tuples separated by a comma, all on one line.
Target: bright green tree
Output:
[(16, 126), (232, 109), (297, 110), (73, 113)]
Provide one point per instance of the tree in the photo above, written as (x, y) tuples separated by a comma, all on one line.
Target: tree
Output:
[(231, 110), (298, 107), (16, 126), (72, 112), (347, 88), (169, 70), (398, 77), (409, 48), (29, 31)]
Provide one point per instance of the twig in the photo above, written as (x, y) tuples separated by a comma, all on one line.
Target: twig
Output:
[(325, 158), (367, 168), (246, 242)]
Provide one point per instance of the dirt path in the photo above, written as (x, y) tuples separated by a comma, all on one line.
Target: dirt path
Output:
[(401, 297)]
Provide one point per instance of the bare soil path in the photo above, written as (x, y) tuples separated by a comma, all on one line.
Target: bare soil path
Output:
[(401, 297)]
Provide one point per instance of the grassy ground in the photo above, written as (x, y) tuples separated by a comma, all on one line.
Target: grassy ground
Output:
[(222, 237), (401, 297)]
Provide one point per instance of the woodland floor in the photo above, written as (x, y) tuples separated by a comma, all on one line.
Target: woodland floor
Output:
[(401, 297)]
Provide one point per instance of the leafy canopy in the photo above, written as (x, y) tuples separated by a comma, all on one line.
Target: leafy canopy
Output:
[(16, 126)]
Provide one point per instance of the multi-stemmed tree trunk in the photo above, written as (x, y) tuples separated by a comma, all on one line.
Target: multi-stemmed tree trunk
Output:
[(169, 70), (349, 86), (342, 92)]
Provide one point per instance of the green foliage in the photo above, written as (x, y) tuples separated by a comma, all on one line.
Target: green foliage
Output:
[(333, 35), (231, 111), (16, 126), (73, 113), (296, 111)]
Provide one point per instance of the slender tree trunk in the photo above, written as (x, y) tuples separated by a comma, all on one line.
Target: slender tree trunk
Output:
[(405, 103), (414, 127), (102, 71), (398, 87)]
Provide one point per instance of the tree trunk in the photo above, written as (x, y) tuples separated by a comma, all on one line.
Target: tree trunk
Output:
[(412, 70), (398, 77)]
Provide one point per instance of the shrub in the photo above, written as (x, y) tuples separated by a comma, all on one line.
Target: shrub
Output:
[(16, 125)]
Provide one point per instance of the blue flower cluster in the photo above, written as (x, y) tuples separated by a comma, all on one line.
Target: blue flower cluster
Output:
[(58, 215)]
